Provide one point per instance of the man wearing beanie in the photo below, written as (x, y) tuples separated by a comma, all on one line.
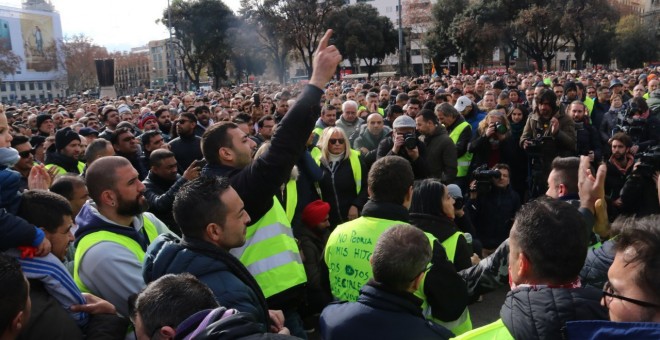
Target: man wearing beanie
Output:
[(312, 240), (64, 154), (45, 125)]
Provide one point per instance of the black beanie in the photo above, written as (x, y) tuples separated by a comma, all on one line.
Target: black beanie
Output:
[(64, 137), (42, 118), (569, 85)]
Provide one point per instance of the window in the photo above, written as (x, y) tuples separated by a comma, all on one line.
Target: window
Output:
[(12, 86), (40, 85), (21, 85), (3, 87), (31, 85), (48, 86)]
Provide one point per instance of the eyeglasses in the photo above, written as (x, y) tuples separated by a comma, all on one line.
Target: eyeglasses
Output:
[(427, 268), (26, 153), (335, 141), (181, 121), (608, 295)]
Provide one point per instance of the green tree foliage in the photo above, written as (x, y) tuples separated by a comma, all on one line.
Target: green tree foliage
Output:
[(635, 43), (271, 28), (583, 23), (201, 28), (438, 38), (363, 35), (539, 32)]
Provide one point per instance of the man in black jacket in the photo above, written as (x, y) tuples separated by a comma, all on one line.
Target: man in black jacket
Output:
[(547, 248), (440, 148), (163, 182), (228, 152), (186, 147), (414, 151)]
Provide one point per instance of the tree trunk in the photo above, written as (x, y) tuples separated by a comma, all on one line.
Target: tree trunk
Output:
[(548, 61), (539, 63), (579, 52)]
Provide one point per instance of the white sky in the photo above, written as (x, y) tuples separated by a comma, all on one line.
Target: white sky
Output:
[(116, 24)]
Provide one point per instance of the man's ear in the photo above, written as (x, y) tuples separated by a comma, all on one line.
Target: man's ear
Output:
[(18, 323), (417, 281), (108, 197), (561, 190), (167, 332), (214, 232), (524, 268), (226, 154)]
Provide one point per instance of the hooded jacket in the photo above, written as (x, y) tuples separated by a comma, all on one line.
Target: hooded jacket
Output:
[(223, 324), (542, 313), (441, 155), (231, 283), (565, 139), (108, 269)]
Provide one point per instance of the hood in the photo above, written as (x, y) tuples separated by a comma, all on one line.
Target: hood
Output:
[(89, 220), (542, 313), (220, 323), (67, 163)]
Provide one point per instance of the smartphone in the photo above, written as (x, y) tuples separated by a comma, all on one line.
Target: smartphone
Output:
[(200, 163)]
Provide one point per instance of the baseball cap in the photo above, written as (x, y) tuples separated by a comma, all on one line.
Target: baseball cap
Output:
[(462, 103)]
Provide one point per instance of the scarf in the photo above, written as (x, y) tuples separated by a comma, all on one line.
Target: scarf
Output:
[(630, 160)]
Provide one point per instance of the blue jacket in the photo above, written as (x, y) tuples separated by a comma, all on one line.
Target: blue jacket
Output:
[(225, 275), (591, 330), (379, 313)]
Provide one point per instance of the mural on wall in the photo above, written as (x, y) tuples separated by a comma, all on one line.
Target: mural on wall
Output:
[(38, 42), (5, 35)]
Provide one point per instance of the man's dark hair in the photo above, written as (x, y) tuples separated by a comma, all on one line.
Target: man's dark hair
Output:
[(65, 185), (415, 101), (553, 236), (214, 138), (114, 137), (145, 138), (390, 178), (102, 175), (171, 299), (18, 140), (94, 149), (566, 172), (642, 234), (157, 156), (447, 110), (502, 166), (623, 138), (202, 108), (197, 204), (547, 96), (160, 111), (261, 121), (428, 115), (401, 254), (327, 108), (402, 97), (191, 117), (44, 209), (14, 292)]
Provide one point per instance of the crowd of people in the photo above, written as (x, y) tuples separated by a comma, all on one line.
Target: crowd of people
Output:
[(356, 209)]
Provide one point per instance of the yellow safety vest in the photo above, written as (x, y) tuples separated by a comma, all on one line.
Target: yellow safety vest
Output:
[(380, 110), (493, 331), (92, 239), (271, 254), (61, 171), (354, 158), (464, 322), (291, 199), (464, 160), (589, 103), (315, 152), (318, 131), (348, 251)]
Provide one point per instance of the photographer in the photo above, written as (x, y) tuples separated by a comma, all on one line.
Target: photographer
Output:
[(404, 143), (637, 122), (492, 206), (639, 194)]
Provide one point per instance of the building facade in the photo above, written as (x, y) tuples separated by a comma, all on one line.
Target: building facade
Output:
[(166, 66), (132, 71), (32, 33)]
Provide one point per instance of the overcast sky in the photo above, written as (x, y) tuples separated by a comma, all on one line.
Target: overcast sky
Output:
[(116, 24)]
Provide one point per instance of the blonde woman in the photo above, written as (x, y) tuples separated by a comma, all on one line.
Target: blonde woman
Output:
[(344, 180)]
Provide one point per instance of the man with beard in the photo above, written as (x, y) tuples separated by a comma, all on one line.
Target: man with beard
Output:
[(66, 153), (186, 147), (275, 262), (111, 120), (126, 145), (204, 121), (113, 233), (164, 123), (163, 182), (619, 167)]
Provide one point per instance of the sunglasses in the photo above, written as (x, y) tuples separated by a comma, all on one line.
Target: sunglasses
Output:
[(335, 141), (26, 154)]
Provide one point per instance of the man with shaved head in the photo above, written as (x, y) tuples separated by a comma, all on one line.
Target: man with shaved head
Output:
[(113, 233)]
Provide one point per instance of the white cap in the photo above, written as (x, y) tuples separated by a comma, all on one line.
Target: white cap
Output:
[(462, 103)]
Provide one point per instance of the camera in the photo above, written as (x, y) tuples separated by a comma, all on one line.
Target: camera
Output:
[(410, 141), (649, 162), (484, 178), (458, 202), (500, 128)]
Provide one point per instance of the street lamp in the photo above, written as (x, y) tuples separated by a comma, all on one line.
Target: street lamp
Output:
[(401, 52)]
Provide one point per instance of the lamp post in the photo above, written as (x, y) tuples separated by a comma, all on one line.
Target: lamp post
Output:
[(401, 51), (172, 70)]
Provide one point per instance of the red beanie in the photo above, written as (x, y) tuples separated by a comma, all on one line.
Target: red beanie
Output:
[(315, 213)]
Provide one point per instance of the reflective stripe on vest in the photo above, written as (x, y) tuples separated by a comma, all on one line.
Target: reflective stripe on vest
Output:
[(61, 171), (493, 331), (464, 160), (271, 254), (291, 199), (356, 167), (348, 251), (315, 152), (318, 131), (92, 239), (464, 322)]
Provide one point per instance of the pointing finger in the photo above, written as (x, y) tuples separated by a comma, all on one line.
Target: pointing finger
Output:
[(324, 41)]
